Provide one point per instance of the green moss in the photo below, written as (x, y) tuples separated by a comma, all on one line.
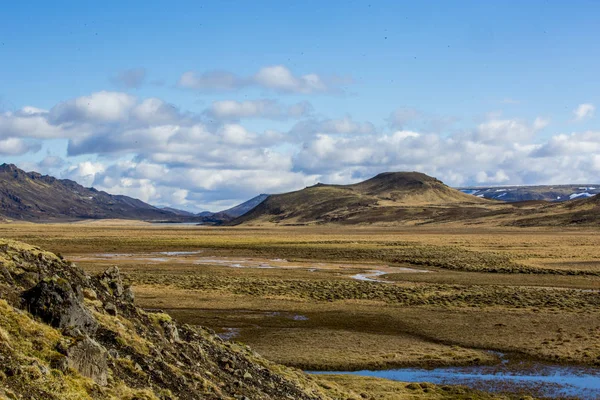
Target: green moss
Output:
[(160, 318), (125, 331)]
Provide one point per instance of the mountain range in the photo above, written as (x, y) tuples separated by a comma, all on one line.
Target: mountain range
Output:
[(31, 196), (412, 198), (538, 192), (389, 198)]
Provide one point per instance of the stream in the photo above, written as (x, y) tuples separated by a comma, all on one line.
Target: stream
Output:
[(532, 378)]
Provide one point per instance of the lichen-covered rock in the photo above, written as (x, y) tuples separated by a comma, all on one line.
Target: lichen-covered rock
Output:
[(171, 332), (57, 304), (111, 279), (110, 308), (90, 359)]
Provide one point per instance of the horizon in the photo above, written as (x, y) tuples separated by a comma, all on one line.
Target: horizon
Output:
[(318, 183), (202, 107)]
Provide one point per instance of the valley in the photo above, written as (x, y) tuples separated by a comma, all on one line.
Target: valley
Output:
[(297, 295)]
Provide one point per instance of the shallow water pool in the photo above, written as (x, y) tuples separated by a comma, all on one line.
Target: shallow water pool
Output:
[(552, 381)]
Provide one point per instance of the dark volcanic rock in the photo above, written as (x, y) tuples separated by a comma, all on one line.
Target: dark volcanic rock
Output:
[(57, 304)]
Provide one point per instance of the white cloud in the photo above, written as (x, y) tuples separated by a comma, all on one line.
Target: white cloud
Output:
[(270, 109), (494, 152), (280, 78), (500, 130), (584, 111), (211, 81), (150, 149), (540, 123), (31, 122), (98, 107), (482, 177), (277, 78), (15, 147), (84, 173)]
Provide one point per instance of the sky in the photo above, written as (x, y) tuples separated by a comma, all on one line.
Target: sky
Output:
[(203, 105)]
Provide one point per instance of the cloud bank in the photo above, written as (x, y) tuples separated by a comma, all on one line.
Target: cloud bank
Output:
[(151, 149)]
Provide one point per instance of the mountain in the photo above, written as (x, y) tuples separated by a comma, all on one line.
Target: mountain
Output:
[(539, 192), (388, 197), (179, 212), (577, 212), (246, 206), (67, 335), (225, 216), (30, 196)]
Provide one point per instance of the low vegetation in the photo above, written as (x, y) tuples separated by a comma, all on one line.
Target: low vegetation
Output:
[(529, 293)]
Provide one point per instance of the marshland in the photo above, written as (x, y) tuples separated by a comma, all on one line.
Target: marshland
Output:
[(470, 297)]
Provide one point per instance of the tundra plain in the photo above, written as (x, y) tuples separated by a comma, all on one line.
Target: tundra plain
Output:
[(349, 298)]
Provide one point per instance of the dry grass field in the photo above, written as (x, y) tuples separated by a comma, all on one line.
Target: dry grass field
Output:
[(294, 297)]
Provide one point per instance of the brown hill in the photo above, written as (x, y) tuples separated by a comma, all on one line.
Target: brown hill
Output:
[(30, 196), (579, 212), (391, 197)]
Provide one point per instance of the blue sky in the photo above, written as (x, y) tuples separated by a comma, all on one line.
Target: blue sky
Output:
[(286, 95)]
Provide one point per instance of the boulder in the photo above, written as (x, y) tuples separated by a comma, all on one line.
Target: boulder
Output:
[(171, 332), (89, 359), (57, 304), (110, 308), (111, 280)]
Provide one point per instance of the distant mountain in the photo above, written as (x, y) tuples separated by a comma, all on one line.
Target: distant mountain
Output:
[(539, 192), (578, 212), (176, 211), (30, 196), (224, 216), (246, 206), (388, 197)]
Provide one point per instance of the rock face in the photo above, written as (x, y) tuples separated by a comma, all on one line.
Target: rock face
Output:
[(57, 304), (59, 328), (112, 281), (90, 359)]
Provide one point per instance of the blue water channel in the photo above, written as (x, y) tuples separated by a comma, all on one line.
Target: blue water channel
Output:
[(551, 381)]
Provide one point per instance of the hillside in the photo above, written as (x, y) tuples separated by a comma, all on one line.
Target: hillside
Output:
[(554, 193), (179, 212), (67, 335), (391, 197), (578, 212), (244, 207), (224, 216), (30, 196)]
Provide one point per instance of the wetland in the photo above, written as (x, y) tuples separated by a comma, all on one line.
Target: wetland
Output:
[(391, 300)]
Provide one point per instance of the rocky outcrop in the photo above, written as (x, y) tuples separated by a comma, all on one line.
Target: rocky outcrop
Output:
[(64, 334), (90, 359), (56, 302)]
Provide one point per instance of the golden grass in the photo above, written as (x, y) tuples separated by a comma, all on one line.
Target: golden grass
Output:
[(383, 389), (517, 290)]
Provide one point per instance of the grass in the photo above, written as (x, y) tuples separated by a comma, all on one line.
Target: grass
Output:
[(346, 335), (383, 389), (529, 292)]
